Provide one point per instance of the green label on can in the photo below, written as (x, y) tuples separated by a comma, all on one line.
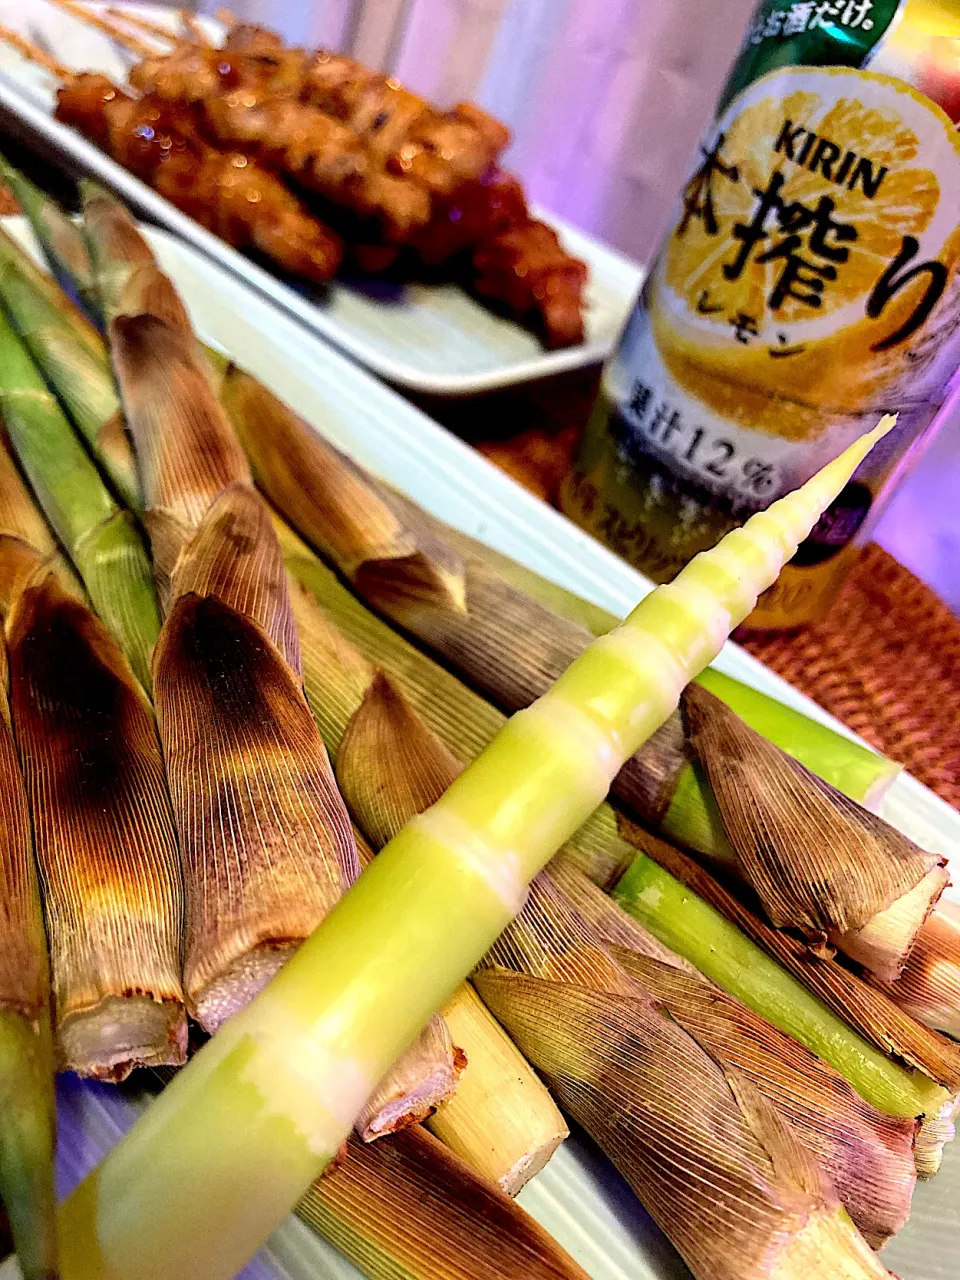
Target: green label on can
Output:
[(785, 33)]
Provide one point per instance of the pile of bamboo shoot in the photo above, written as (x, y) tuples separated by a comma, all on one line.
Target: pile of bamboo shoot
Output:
[(257, 800)]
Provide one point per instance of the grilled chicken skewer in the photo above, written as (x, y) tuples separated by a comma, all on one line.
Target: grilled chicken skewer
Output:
[(224, 191), (356, 141)]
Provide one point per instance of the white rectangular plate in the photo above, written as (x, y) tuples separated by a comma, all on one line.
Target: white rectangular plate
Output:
[(432, 338), (579, 1198)]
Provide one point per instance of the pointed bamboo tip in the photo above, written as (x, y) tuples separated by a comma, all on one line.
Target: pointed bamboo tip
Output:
[(418, 581), (123, 1033)]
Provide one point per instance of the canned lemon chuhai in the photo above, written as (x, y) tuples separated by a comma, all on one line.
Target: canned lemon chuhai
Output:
[(809, 284)]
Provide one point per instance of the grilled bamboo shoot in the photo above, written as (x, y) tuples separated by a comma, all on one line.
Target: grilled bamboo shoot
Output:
[(819, 863), (265, 839), (105, 839), (27, 1106)]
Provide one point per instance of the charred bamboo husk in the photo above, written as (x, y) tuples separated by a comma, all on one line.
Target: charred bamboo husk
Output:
[(266, 844), (27, 1103), (894, 1063), (411, 1209), (102, 822), (818, 862)]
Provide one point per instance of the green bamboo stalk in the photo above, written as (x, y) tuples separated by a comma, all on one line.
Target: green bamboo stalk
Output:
[(101, 538), (240, 1133), (77, 369)]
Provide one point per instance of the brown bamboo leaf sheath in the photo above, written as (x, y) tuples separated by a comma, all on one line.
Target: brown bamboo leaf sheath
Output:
[(266, 843), (818, 862), (103, 827), (505, 643)]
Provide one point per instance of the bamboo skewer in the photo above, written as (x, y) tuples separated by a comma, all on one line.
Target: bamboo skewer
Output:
[(91, 18), (142, 24), (33, 53)]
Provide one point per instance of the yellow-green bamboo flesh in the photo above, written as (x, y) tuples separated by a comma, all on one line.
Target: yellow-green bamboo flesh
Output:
[(223, 1155)]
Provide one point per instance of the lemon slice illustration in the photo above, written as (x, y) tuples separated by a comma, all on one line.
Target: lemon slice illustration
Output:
[(816, 254)]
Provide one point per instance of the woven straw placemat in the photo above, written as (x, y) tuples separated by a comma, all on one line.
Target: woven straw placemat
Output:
[(886, 661)]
